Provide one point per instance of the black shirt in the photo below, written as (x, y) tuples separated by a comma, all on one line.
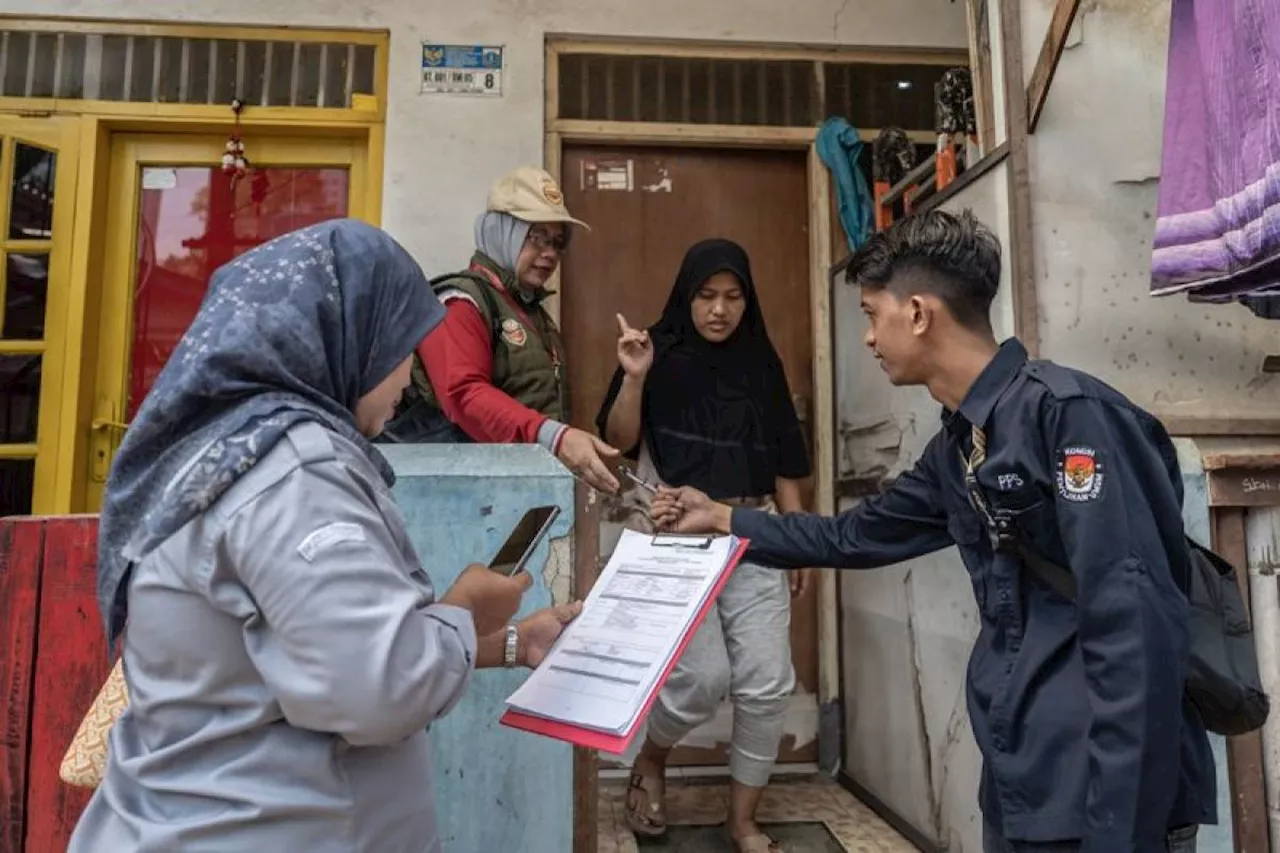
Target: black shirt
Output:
[(1077, 708)]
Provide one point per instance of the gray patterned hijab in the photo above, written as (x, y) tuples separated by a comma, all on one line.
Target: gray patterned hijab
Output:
[(298, 329), (501, 236)]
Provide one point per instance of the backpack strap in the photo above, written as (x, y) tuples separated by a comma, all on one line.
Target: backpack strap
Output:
[(1005, 538), (1059, 579), (486, 293)]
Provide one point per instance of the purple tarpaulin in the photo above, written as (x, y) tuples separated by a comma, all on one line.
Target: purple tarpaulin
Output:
[(1218, 225)]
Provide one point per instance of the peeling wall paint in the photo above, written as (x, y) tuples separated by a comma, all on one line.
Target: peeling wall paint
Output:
[(557, 574)]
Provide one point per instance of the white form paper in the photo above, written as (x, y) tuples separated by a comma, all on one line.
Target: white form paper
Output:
[(604, 666)]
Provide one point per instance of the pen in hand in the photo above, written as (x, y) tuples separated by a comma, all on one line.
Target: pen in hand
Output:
[(638, 480)]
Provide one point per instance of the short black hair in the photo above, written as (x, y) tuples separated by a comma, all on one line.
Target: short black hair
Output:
[(958, 256)]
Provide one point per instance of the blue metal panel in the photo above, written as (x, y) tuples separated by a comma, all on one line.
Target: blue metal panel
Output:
[(496, 789)]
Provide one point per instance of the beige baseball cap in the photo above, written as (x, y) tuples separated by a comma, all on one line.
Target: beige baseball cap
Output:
[(530, 195)]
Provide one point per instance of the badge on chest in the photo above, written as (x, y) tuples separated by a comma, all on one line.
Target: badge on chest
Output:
[(514, 333)]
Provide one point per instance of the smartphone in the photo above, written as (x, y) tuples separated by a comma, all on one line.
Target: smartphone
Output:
[(523, 539)]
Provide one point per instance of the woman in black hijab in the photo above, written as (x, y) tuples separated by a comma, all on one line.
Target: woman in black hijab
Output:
[(700, 399)]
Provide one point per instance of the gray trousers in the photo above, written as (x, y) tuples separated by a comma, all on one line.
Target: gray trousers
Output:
[(1181, 840), (742, 649)]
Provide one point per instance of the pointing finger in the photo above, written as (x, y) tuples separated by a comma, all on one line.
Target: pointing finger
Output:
[(622, 324)]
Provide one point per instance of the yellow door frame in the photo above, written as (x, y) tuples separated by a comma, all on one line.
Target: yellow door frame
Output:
[(130, 153), (61, 137), (74, 319), (85, 131)]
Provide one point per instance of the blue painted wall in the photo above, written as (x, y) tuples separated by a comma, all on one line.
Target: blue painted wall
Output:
[(496, 789), (1195, 516)]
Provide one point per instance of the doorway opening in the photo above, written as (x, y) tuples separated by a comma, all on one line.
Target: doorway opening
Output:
[(646, 206)]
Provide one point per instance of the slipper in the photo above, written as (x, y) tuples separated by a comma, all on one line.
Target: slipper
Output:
[(645, 815)]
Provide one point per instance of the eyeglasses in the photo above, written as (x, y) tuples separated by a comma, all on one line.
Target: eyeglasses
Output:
[(542, 241)]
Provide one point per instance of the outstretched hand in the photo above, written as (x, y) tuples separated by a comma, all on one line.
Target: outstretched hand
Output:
[(687, 510), (585, 455)]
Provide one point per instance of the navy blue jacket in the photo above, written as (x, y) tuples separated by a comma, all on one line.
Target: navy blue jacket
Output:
[(1077, 707)]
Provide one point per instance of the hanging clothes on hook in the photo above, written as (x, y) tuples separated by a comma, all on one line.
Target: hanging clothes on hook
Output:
[(1218, 219), (840, 148)]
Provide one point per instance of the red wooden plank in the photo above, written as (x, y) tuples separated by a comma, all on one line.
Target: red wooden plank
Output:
[(71, 664), (20, 553)]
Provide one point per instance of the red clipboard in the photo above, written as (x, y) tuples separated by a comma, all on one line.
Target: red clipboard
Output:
[(617, 744)]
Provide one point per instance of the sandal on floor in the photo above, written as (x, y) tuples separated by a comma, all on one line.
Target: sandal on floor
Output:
[(645, 814), (756, 844)]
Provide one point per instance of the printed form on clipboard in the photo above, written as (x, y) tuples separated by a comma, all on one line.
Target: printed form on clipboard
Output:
[(600, 678)]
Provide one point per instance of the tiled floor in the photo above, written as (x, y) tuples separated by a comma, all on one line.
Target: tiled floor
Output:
[(702, 803)]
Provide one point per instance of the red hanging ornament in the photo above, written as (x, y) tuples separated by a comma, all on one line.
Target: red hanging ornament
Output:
[(234, 162)]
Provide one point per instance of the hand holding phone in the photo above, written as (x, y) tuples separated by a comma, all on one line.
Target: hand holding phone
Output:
[(524, 539), (492, 598)]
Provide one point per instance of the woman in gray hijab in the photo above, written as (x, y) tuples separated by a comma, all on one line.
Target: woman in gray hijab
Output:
[(494, 371), (283, 647)]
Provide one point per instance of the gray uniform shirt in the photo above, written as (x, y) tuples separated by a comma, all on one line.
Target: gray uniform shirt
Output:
[(284, 657)]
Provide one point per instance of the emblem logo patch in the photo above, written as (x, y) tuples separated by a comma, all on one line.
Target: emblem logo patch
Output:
[(513, 333), (552, 193), (1080, 474)]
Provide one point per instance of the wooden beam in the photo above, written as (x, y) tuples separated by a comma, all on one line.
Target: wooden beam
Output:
[(782, 52), (981, 72), (822, 412), (586, 767), (1244, 753), (1245, 487), (1026, 311), (1055, 41), (704, 135), (1224, 424)]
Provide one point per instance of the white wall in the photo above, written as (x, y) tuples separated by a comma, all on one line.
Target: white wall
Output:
[(1095, 165), (444, 151)]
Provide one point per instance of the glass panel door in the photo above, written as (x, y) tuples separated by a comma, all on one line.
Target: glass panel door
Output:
[(29, 233), (194, 219), (175, 219)]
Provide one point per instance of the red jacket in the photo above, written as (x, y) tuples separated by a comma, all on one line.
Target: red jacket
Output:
[(458, 356)]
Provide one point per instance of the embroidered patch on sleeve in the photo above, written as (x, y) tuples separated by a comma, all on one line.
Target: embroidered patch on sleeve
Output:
[(1080, 473), (328, 536)]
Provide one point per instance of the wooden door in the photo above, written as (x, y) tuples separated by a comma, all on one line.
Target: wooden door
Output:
[(177, 218), (646, 207)]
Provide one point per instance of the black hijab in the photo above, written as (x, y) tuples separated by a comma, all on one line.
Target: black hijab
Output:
[(716, 416)]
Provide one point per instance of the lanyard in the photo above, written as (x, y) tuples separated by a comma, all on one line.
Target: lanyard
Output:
[(547, 345)]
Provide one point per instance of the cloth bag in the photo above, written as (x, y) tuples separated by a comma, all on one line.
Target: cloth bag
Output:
[(86, 758)]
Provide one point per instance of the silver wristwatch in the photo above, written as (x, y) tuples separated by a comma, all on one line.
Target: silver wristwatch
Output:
[(511, 647)]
